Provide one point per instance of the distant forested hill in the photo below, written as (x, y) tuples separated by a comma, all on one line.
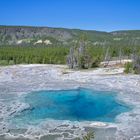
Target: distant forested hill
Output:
[(46, 36), (47, 45)]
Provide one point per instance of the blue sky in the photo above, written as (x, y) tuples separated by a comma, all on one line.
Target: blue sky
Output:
[(103, 15)]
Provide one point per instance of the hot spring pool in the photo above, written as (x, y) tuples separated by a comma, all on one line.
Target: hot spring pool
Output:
[(74, 105)]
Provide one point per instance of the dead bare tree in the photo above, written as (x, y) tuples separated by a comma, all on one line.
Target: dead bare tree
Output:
[(78, 56), (107, 57), (120, 55), (72, 61), (136, 63), (135, 59)]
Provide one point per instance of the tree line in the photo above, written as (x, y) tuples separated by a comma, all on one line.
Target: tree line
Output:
[(80, 55), (32, 55)]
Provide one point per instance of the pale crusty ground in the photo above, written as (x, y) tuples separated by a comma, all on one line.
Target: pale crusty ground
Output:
[(22, 79)]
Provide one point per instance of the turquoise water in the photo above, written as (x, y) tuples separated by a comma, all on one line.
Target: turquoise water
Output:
[(75, 105)]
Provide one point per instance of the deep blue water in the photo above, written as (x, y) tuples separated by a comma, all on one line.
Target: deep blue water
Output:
[(75, 105)]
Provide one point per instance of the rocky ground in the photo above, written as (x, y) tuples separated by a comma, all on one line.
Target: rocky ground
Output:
[(22, 79)]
